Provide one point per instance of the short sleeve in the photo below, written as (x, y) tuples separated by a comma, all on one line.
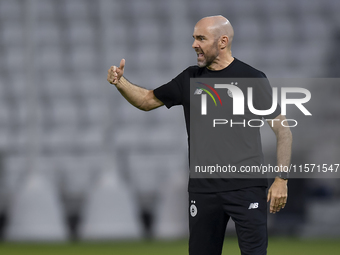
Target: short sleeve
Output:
[(171, 93), (263, 98)]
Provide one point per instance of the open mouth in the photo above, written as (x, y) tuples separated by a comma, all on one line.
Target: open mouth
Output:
[(200, 55)]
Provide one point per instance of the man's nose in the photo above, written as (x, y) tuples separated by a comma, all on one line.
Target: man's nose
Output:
[(194, 44)]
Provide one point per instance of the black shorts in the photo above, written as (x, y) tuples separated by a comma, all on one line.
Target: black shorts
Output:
[(209, 214)]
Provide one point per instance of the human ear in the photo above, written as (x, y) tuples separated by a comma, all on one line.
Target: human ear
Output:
[(224, 41)]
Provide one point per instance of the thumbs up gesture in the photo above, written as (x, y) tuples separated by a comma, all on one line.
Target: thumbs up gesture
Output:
[(115, 73)]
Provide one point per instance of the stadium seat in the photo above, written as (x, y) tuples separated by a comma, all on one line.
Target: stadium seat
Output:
[(12, 33), (248, 30), (246, 9), (149, 54), (11, 9), (315, 28), (48, 33), (171, 219), (282, 8), (102, 219), (147, 32), (47, 9), (305, 7), (50, 57), (281, 30), (81, 116), (15, 57), (35, 212), (81, 32), (141, 9), (111, 10), (56, 84), (83, 58), (76, 9), (116, 33)]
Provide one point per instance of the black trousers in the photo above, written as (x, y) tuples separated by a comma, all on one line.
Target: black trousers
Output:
[(209, 214)]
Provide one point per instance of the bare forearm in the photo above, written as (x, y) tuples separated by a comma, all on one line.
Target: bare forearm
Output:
[(134, 94), (284, 147), (141, 98), (278, 191)]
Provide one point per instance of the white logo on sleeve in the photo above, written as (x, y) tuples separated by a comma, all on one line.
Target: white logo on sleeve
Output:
[(253, 205), (193, 209)]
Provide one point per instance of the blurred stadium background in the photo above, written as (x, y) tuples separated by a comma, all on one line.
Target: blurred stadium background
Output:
[(77, 162)]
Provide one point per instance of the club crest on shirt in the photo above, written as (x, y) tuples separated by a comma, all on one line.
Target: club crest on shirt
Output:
[(193, 209)]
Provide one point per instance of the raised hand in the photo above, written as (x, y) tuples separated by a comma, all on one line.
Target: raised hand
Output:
[(115, 73)]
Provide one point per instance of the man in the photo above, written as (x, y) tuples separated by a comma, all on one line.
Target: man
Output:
[(215, 201)]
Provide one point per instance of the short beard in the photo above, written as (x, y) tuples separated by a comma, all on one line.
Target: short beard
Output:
[(202, 64), (210, 60), (207, 61)]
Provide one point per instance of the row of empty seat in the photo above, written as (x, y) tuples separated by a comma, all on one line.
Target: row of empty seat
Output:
[(60, 116)]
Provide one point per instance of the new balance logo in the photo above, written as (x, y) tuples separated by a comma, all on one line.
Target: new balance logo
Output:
[(253, 205), (198, 91)]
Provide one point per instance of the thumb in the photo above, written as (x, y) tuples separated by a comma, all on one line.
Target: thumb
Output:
[(269, 195), (122, 64)]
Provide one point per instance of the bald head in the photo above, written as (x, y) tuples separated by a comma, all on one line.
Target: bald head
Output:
[(212, 42), (218, 26)]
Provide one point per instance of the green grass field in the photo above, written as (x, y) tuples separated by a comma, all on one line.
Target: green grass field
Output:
[(277, 246)]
